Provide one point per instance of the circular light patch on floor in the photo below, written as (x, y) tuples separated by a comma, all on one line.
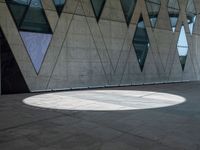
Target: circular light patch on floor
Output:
[(104, 100)]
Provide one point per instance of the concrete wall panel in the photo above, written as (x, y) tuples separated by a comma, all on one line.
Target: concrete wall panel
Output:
[(86, 53)]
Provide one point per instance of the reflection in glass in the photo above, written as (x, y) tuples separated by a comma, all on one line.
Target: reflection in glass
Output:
[(191, 15), (128, 7), (153, 7), (98, 6), (29, 15), (18, 8), (141, 42), (173, 10), (35, 19), (182, 47), (59, 5), (36, 45), (34, 28)]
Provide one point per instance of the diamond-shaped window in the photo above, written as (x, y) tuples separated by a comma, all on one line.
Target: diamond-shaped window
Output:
[(182, 47), (141, 42), (173, 11), (128, 7), (191, 15), (59, 5), (153, 7), (98, 6)]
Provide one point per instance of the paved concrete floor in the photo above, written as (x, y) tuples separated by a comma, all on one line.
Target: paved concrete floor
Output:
[(176, 127)]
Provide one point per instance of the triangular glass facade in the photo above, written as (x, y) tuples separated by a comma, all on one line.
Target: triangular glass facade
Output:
[(173, 11), (29, 15), (191, 15), (59, 5), (153, 7), (141, 42), (182, 47), (36, 45), (128, 7), (98, 6), (33, 26)]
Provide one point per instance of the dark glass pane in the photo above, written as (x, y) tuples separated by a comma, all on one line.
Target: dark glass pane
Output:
[(173, 10), (59, 5), (17, 9), (12, 80), (36, 45), (35, 19), (141, 42), (128, 7), (183, 61), (98, 6), (21, 2), (153, 7), (182, 47), (191, 15)]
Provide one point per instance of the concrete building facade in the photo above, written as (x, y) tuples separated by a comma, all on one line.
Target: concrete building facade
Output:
[(98, 45)]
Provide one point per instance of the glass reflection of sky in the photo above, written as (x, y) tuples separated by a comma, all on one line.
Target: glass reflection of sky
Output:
[(141, 24), (182, 45), (153, 7), (36, 4), (153, 21), (36, 45), (173, 23), (191, 24), (173, 10)]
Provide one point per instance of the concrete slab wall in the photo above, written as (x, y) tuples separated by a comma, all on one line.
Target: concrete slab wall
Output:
[(84, 53)]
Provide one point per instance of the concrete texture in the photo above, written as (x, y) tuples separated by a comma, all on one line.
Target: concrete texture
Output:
[(84, 53), (169, 128)]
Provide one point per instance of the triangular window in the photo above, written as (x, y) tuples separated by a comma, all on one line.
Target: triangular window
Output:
[(59, 5), (128, 7), (173, 11), (98, 6), (36, 45), (153, 7)]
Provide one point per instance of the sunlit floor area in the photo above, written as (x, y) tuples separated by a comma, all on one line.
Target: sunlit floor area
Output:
[(104, 100), (150, 117)]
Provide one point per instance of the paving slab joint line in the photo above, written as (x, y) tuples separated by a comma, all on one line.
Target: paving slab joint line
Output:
[(26, 124)]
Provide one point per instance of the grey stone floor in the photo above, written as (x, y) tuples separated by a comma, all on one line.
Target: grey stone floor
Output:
[(177, 127)]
